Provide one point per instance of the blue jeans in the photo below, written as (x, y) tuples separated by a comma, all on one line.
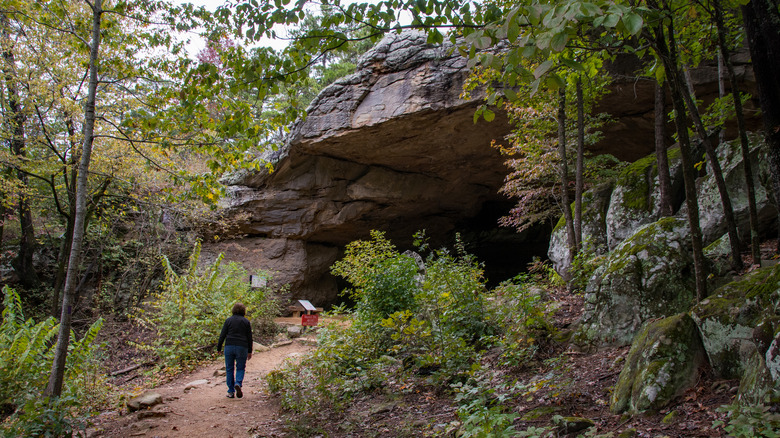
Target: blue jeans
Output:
[(237, 354)]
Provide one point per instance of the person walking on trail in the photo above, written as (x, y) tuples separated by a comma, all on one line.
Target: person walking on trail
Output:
[(237, 336)]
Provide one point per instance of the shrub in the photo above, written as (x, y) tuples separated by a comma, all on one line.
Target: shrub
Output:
[(189, 310), (446, 328), (382, 279), (26, 357), (523, 317), (433, 324)]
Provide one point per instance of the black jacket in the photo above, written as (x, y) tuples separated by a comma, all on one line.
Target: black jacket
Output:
[(236, 331)]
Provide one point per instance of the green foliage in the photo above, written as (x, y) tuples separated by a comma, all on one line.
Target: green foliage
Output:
[(450, 321), (749, 421), (26, 356), (44, 417), (391, 287), (361, 259), (481, 409), (523, 316), (584, 265), (431, 324), (189, 310)]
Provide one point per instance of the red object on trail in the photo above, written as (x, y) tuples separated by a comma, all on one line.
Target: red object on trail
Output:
[(309, 320)]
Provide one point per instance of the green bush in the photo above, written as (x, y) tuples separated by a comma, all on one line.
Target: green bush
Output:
[(443, 333), (523, 317), (481, 408), (405, 323), (189, 310), (26, 357), (382, 279)]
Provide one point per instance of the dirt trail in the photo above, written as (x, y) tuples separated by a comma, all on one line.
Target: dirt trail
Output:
[(204, 411)]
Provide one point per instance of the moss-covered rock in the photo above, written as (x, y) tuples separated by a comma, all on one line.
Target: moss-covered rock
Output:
[(727, 319), (568, 425), (710, 206), (650, 275), (636, 198), (661, 365), (594, 229), (757, 385)]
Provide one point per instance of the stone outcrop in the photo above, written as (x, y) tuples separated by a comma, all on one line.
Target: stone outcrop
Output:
[(647, 269), (392, 147)]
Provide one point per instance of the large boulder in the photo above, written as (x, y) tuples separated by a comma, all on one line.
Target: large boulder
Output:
[(738, 318), (636, 200), (757, 385), (648, 276), (711, 217), (663, 362)]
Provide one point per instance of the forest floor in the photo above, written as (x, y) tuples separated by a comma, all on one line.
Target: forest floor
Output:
[(563, 382)]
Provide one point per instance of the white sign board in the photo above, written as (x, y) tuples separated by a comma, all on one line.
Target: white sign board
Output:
[(307, 305), (257, 281)]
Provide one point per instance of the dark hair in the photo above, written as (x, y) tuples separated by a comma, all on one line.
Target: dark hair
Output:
[(239, 309)]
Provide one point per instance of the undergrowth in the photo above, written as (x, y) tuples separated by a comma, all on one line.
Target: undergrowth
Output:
[(26, 357), (188, 311), (418, 321)]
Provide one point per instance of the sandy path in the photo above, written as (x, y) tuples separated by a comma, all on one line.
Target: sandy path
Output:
[(204, 411)]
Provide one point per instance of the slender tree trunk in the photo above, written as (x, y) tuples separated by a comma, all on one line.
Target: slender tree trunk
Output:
[(23, 263), (722, 94), (54, 387), (762, 26), (668, 56), (662, 159), (70, 177), (717, 173), (564, 174), (725, 57), (2, 221), (579, 185)]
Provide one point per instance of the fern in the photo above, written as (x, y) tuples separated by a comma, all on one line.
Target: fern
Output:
[(13, 316), (26, 356), (188, 311)]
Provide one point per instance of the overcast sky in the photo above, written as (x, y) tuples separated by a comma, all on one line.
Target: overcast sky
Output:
[(198, 43)]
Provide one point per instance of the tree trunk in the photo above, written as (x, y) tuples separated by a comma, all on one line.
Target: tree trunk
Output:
[(564, 174), (70, 177), (23, 263), (662, 159), (579, 185), (762, 26), (54, 387), (722, 95), (717, 173), (668, 56), (725, 57)]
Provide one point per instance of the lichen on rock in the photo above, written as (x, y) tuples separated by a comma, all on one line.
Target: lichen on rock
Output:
[(663, 362), (594, 229), (647, 276), (636, 198), (728, 317)]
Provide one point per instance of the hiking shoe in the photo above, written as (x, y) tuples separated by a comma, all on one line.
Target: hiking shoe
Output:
[(239, 394), (230, 395)]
